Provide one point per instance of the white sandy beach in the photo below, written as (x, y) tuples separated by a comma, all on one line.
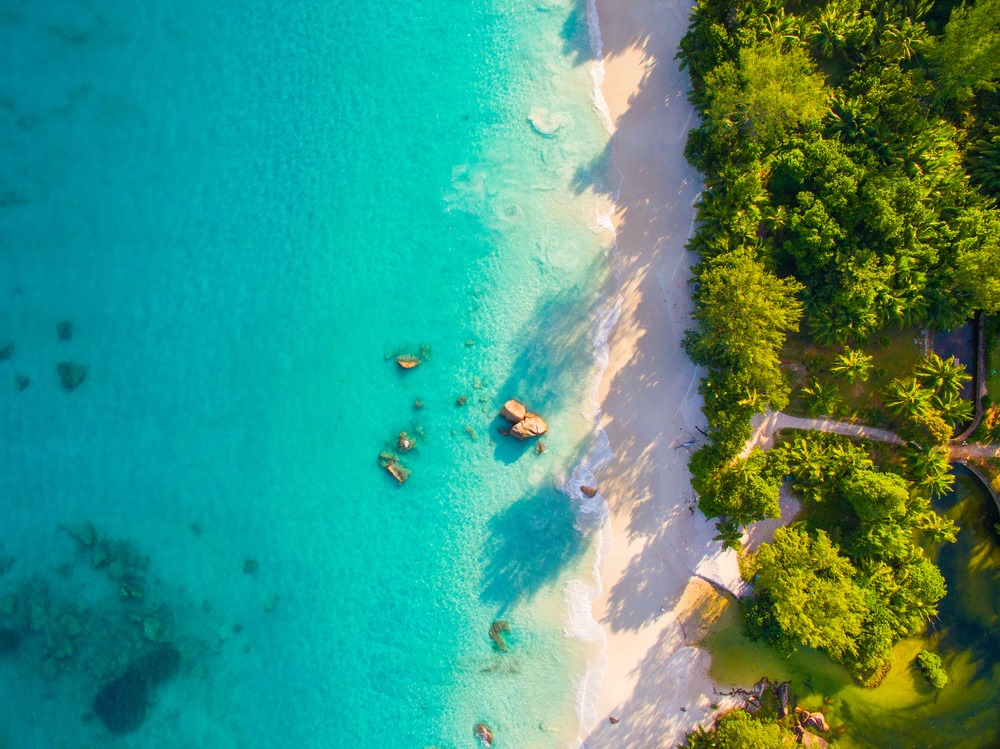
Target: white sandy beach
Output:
[(654, 574)]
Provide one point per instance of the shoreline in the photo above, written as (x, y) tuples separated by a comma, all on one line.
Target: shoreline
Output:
[(662, 564)]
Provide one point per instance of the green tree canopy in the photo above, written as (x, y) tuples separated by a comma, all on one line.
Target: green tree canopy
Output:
[(771, 91), (744, 313), (745, 490), (814, 598), (875, 496), (967, 55), (738, 729)]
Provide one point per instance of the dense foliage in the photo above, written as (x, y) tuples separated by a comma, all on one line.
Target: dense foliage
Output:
[(851, 152), (738, 729), (849, 156), (850, 579), (933, 669)]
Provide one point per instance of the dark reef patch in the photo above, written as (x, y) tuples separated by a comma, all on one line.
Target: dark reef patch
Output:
[(10, 641), (122, 704)]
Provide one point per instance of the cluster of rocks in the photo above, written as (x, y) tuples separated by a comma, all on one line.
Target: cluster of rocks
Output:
[(121, 563), (816, 721), (121, 646), (765, 696), (71, 374), (405, 442), (523, 423)]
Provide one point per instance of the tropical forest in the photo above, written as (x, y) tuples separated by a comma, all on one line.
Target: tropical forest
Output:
[(848, 280)]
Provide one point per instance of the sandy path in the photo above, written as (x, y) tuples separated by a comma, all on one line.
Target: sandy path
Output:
[(766, 425), (656, 682)]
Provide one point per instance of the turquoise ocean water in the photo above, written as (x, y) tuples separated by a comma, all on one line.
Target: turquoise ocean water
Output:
[(246, 209)]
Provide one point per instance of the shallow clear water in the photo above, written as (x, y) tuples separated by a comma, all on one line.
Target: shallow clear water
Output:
[(904, 711), (246, 209)]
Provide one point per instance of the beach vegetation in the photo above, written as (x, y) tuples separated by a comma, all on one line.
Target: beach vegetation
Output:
[(833, 164), (852, 365), (849, 150), (737, 729), (849, 578), (931, 666), (744, 490)]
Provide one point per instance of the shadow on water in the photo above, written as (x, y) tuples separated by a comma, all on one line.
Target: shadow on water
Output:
[(535, 539), (575, 35), (556, 358), (529, 545)]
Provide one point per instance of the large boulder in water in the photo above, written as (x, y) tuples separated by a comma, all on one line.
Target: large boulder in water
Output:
[(122, 704), (513, 410), (814, 720), (532, 425), (483, 733)]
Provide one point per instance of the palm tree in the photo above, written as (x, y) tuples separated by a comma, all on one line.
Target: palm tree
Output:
[(906, 397), (929, 468), (955, 409), (825, 398), (730, 533), (751, 400), (939, 485), (853, 365), (942, 376), (902, 41), (830, 30), (984, 163)]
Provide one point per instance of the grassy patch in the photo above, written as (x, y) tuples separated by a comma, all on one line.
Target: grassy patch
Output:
[(992, 334), (895, 352)]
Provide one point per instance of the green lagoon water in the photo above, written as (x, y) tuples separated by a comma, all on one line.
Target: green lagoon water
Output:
[(246, 209), (904, 711)]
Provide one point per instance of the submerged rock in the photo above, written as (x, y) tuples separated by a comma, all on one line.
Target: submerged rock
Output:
[(6, 562), (391, 463), (250, 566), (84, 533), (496, 634), (6, 352), (101, 555), (10, 641), (122, 704), (408, 361), (8, 604), (513, 411), (64, 330), (21, 382), (483, 733), (532, 425), (71, 375), (132, 588)]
